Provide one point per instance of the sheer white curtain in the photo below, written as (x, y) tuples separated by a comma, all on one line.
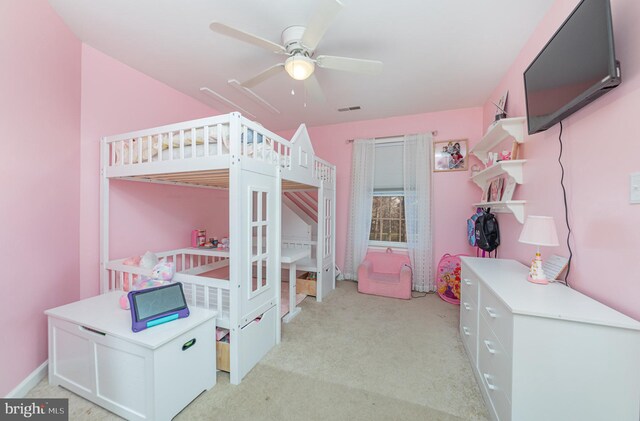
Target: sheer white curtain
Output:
[(360, 205), (417, 208)]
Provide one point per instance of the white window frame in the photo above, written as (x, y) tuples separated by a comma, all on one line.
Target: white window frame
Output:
[(375, 244)]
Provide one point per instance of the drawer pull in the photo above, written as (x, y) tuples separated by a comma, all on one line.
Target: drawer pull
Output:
[(490, 348), (490, 385), (468, 282), (491, 312), (97, 332), (189, 344), (466, 330), (467, 306)]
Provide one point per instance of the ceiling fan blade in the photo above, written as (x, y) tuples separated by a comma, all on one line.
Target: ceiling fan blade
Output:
[(223, 29), (320, 22), (314, 91), (356, 65), (264, 75)]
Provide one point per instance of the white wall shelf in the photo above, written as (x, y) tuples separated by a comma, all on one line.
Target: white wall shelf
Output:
[(516, 207), (501, 130), (513, 168)]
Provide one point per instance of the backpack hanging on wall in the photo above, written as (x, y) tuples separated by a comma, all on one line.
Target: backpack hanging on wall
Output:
[(471, 227), (487, 232)]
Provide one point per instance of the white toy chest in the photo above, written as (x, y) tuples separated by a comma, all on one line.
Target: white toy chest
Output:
[(150, 375)]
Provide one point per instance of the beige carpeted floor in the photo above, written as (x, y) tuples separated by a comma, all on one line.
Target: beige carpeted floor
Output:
[(351, 357)]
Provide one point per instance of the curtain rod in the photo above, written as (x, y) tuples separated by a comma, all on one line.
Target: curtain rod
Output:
[(434, 133)]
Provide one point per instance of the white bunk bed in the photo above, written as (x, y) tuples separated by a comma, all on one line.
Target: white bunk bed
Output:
[(256, 165)]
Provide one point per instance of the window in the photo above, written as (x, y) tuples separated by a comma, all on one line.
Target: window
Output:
[(387, 219), (387, 212)]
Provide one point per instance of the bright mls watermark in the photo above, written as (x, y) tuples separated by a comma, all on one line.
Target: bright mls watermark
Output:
[(34, 409)]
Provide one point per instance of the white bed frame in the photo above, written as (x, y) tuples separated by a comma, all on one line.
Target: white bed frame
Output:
[(256, 165)]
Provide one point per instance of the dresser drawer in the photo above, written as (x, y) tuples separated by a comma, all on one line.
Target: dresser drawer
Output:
[(468, 285), (494, 359), (498, 316), (469, 329), (494, 365), (499, 402)]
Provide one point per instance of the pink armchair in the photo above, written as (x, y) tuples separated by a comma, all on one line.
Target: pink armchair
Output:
[(387, 274)]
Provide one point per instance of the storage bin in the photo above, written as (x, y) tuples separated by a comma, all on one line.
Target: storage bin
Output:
[(306, 286), (222, 356)]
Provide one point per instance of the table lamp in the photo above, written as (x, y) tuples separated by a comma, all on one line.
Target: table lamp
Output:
[(539, 231)]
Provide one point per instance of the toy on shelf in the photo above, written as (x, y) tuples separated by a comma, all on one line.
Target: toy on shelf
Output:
[(223, 244), (505, 155), (198, 238), (212, 243)]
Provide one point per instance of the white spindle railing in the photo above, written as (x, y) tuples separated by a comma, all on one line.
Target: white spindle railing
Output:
[(200, 291), (155, 145), (163, 146), (322, 170)]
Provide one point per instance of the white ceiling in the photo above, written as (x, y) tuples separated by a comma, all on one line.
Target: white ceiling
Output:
[(437, 54)]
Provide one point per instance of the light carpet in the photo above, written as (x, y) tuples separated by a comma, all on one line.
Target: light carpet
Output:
[(351, 357)]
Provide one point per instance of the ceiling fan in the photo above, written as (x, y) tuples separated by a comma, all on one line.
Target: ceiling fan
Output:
[(299, 44)]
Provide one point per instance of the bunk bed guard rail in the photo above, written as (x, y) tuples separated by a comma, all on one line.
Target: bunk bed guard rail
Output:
[(191, 265)]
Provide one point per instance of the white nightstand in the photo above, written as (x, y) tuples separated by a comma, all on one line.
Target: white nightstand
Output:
[(150, 375)]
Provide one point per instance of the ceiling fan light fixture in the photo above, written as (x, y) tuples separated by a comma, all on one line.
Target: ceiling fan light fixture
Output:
[(299, 67)]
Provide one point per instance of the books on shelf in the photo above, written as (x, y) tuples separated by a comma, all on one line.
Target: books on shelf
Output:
[(498, 189)]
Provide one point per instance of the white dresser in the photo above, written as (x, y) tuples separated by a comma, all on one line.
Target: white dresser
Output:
[(149, 375), (546, 352)]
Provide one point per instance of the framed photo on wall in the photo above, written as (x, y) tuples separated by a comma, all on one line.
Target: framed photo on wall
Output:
[(450, 155)]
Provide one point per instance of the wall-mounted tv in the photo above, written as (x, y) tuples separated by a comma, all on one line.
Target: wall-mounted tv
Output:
[(576, 66)]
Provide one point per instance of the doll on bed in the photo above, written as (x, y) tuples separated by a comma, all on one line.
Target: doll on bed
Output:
[(161, 274)]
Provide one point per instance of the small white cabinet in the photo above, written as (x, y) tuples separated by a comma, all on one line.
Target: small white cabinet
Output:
[(149, 375), (546, 352)]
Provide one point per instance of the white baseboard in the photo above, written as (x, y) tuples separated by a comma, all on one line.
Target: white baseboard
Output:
[(30, 382)]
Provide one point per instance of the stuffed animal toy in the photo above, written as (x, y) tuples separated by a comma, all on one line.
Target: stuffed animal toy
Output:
[(131, 261), (164, 271), (161, 274), (148, 261)]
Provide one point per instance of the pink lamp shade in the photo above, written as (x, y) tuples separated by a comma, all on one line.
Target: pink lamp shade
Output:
[(539, 231)]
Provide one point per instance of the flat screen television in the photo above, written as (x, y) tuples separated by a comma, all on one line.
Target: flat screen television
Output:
[(576, 66)]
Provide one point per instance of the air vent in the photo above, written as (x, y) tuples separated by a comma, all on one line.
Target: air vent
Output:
[(357, 107)]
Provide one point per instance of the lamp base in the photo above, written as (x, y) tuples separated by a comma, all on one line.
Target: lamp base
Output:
[(537, 281)]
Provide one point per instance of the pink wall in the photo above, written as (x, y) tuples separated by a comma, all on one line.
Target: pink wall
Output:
[(117, 99), (39, 180), (601, 149), (450, 190), (43, 86)]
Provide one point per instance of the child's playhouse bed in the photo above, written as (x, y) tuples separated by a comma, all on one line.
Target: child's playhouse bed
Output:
[(256, 165)]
